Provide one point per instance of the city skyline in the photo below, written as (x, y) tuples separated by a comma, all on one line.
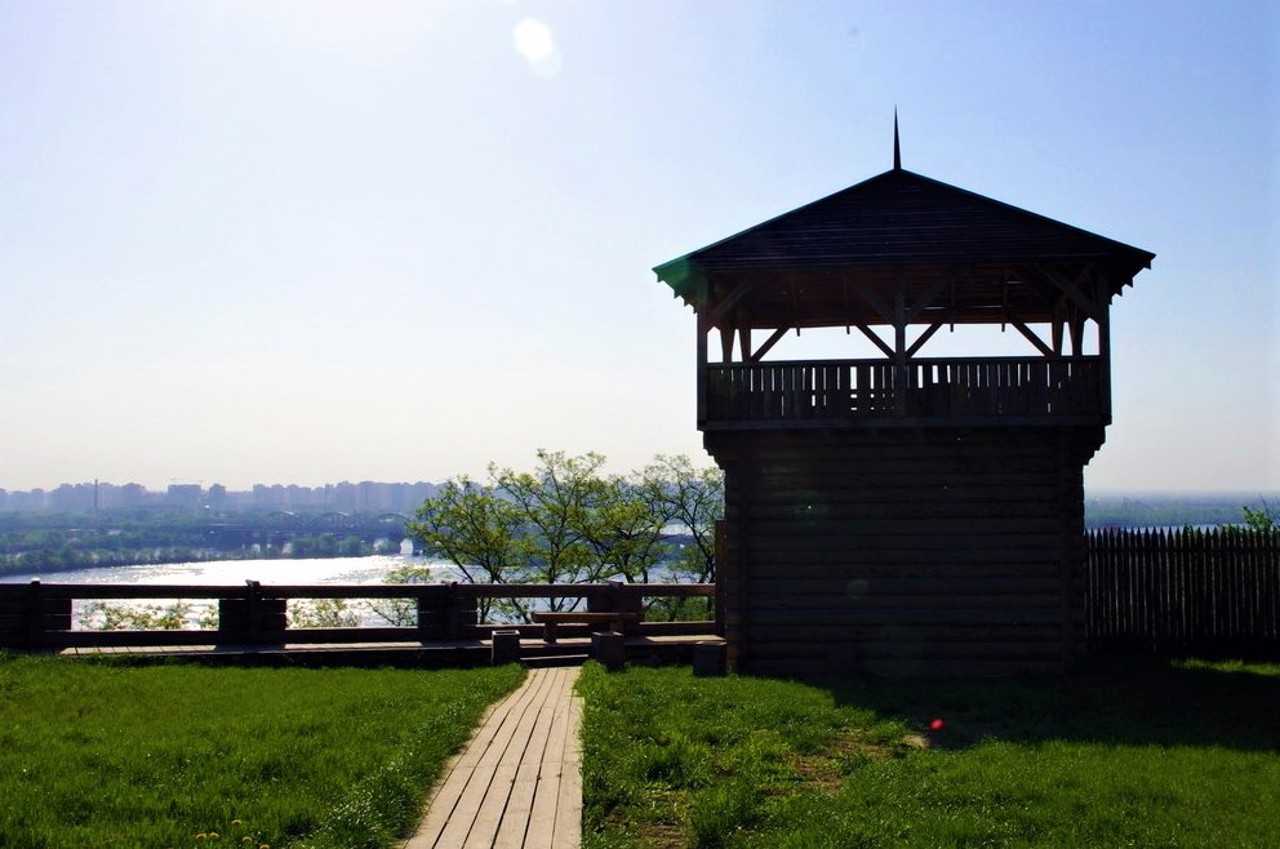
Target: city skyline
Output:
[(319, 241), (362, 496)]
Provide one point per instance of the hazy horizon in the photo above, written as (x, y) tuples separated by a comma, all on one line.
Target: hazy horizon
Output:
[(160, 488), (319, 241)]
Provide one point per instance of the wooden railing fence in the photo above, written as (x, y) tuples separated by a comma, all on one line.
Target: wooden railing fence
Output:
[(1205, 593), (39, 616), (1186, 592), (1024, 388)]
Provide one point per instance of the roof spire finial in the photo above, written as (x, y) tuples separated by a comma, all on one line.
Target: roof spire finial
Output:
[(897, 151)]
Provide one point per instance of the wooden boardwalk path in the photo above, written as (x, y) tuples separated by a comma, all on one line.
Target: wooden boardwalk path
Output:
[(518, 783)]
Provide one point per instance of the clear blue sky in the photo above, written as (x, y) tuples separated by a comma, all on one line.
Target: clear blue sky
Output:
[(313, 241)]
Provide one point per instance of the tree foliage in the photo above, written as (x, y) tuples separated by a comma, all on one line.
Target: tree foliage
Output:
[(567, 521), (1261, 518)]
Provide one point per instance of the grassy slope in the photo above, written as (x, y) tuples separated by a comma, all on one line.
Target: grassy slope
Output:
[(1161, 756), (98, 754)]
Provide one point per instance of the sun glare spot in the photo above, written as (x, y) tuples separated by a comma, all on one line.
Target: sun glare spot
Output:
[(534, 42)]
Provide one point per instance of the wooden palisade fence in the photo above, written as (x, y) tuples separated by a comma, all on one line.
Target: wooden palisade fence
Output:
[(1187, 592)]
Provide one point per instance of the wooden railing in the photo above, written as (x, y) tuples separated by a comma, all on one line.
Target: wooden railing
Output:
[(39, 616), (1053, 390)]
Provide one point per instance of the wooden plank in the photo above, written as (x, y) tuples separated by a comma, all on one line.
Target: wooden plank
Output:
[(530, 776), (527, 744), (542, 832), (460, 774), (568, 825), (518, 756)]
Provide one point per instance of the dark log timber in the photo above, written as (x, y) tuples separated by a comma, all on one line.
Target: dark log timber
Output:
[(904, 515)]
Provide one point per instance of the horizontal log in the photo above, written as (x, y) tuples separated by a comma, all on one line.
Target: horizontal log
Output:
[(835, 509), (44, 605), (766, 559), (920, 617), (879, 587), (139, 591), (17, 624), (867, 648), (14, 592), (893, 478), (811, 520), (796, 450), (763, 633), (945, 542), (903, 492), (86, 639), (352, 635), (949, 668), (938, 599)]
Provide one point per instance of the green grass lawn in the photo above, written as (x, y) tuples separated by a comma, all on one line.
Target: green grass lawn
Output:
[(1158, 755), (110, 755)]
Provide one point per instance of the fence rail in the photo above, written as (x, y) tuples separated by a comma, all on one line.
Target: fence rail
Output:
[(1210, 593), (39, 616)]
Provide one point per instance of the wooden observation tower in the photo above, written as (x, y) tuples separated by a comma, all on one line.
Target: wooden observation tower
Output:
[(903, 514)]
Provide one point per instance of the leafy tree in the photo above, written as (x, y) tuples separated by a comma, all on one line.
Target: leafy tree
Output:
[(627, 535), (560, 510), (324, 613), (567, 522), (470, 526), (691, 499), (1261, 518)]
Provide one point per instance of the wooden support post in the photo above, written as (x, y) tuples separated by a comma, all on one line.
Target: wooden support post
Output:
[(608, 648), (702, 330), (252, 591), (433, 606), (462, 614), (505, 647), (726, 344), (900, 355), (721, 556), (252, 618), (709, 659), (1104, 358), (31, 620)]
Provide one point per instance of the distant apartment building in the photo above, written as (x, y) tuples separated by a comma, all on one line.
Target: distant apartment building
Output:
[(184, 495)]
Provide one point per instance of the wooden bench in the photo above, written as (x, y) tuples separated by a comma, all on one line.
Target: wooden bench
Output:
[(616, 620)]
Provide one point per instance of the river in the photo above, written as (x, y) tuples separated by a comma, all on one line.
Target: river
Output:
[(320, 570), (323, 570)]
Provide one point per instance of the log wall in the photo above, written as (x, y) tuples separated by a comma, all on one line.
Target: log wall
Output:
[(904, 552)]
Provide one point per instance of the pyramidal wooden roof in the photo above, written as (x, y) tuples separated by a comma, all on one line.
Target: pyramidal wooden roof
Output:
[(900, 218)]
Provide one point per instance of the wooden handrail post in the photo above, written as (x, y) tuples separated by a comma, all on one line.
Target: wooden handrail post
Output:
[(433, 602), (252, 592), (461, 613), (30, 619), (34, 623), (31, 624), (251, 617)]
